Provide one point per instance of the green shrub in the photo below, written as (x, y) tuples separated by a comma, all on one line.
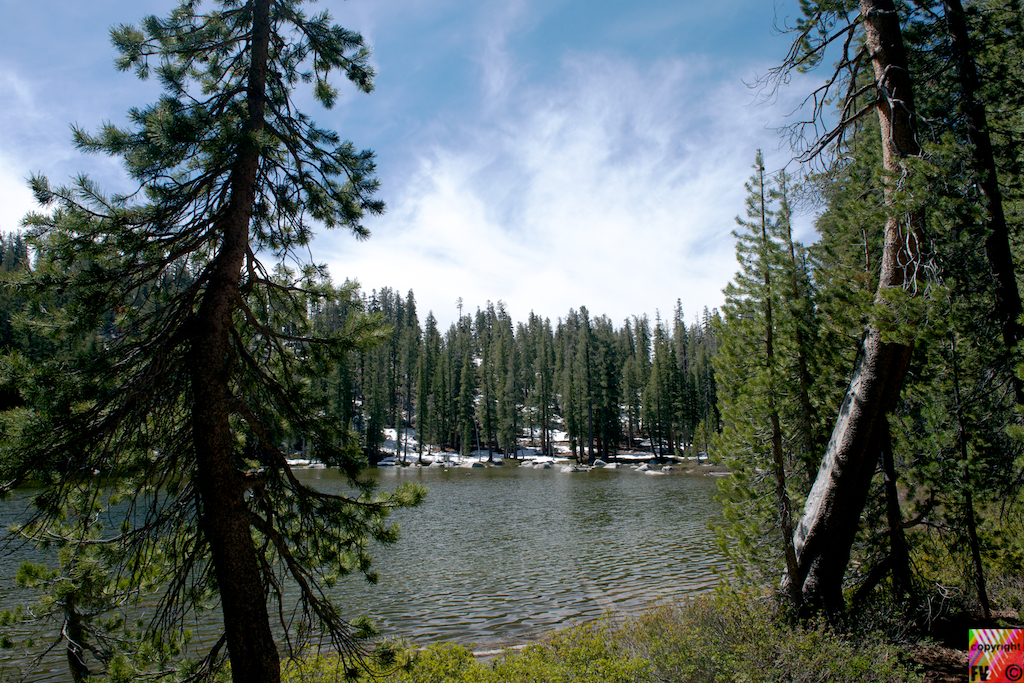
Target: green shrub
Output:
[(738, 639), (710, 639), (588, 653), (439, 663)]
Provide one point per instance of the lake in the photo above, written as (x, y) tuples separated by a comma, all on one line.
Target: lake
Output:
[(499, 555)]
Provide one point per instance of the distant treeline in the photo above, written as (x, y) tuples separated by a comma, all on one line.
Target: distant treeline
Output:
[(488, 381)]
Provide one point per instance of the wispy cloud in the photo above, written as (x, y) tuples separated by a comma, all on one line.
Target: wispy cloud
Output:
[(497, 22), (614, 186), (576, 169), (15, 198)]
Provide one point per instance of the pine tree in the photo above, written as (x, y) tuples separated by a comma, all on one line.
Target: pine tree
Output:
[(506, 372), (183, 403), (409, 342), (426, 391), (752, 365), (541, 389), (607, 364), (661, 395), (583, 381), (467, 390), (571, 401), (803, 330)]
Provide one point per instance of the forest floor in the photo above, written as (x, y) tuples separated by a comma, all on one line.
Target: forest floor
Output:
[(945, 660), (941, 664)]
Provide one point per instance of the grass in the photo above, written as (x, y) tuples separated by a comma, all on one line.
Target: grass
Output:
[(710, 639)]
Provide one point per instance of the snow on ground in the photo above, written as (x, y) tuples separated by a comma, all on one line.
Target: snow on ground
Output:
[(406, 450)]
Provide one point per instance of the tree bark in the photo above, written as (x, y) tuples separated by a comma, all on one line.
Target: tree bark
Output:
[(825, 535), (898, 554), (1007, 303), (223, 509), (74, 635)]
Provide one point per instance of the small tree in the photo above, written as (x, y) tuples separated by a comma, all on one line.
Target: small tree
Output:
[(752, 364)]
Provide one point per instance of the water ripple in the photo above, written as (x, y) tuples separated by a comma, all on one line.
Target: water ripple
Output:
[(502, 555), (498, 555)]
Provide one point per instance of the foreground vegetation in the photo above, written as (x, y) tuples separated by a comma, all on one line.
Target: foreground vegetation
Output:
[(710, 639)]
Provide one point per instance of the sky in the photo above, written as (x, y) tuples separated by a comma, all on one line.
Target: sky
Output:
[(550, 154)]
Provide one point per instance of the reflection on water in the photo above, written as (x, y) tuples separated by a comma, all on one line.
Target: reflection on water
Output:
[(498, 555)]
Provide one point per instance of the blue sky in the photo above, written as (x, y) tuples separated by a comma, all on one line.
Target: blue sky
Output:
[(546, 153)]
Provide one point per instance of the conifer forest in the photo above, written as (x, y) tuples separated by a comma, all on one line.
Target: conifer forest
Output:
[(168, 354)]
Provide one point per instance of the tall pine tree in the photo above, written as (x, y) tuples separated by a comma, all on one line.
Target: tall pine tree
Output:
[(182, 404)]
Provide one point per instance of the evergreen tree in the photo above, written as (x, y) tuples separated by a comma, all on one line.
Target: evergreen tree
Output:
[(410, 339), (802, 332), (569, 390), (635, 373), (426, 391), (751, 364), (464, 385), (607, 364), (506, 369), (181, 405), (541, 389), (661, 396), (583, 383)]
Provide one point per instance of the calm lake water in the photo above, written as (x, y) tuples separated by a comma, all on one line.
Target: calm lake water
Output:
[(496, 556)]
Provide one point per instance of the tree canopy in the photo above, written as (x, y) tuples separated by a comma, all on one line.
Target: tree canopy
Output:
[(186, 313)]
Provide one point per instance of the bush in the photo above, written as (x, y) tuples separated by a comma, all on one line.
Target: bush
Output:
[(710, 639), (738, 639), (589, 653)]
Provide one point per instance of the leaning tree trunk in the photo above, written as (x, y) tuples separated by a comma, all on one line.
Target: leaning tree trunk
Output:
[(825, 535), (223, 510)]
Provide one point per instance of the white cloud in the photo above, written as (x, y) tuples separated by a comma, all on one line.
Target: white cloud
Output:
[(596, 181), (614, 187), (18, 115), (499, 72), (35, 136), (15, 198)]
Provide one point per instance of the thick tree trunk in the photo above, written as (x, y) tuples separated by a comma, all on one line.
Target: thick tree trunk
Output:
[(223, 511), (75, 636), (832, 512), (1007, 306)]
